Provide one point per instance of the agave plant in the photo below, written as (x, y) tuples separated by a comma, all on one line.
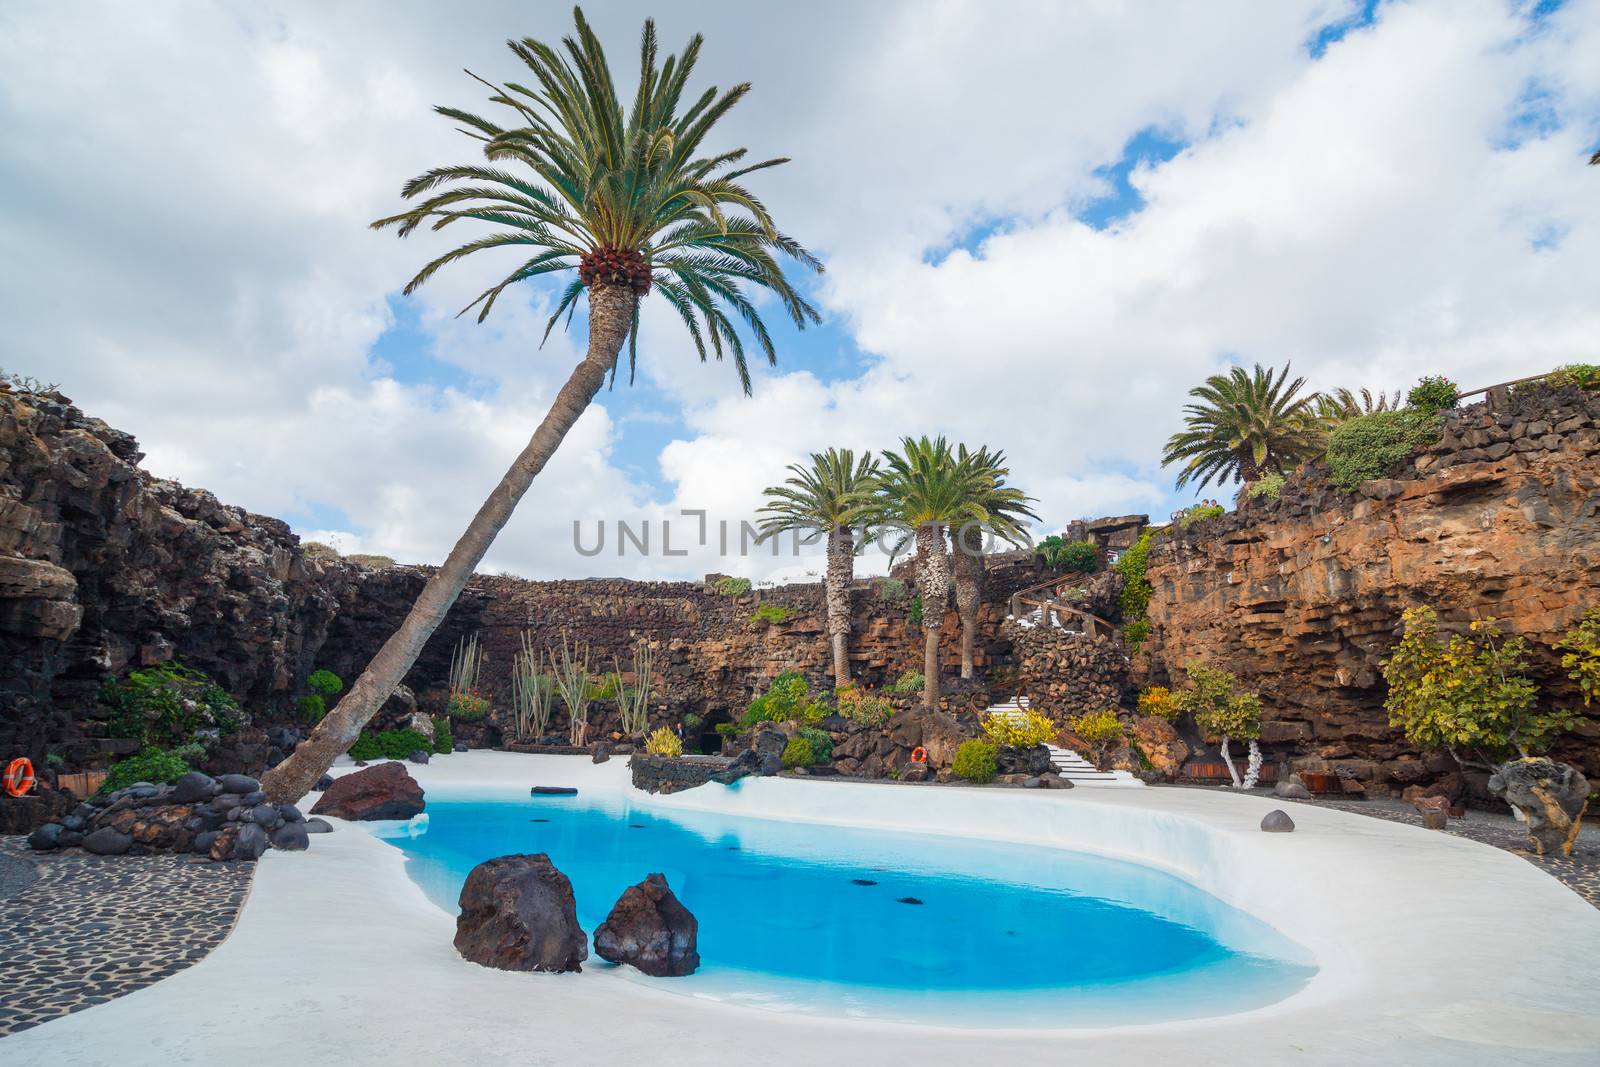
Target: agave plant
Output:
[(1245, 425), (832, 496), (623, 195)]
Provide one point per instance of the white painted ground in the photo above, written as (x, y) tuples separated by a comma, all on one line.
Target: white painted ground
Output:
[(1433, 950)]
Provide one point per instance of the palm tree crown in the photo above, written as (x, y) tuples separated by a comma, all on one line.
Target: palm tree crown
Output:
[(1245, 425), (1004, 506), (835, 490), (622, 199), (1343, 405)]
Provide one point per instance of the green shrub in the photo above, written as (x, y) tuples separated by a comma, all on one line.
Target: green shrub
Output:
[(797, 753), (891, 590), (914, 614), (663, 742), (975, 761), (729, 586), (444, 740), (153, 765), (1433, 393), (311, 708), (1066, 555), (1206, 509), (909, 682), (1582, 375), (1136, 633), (1135, 597), (859, 706), (1369, 446), (1269, 487), (1217, 708), (788, 697), (1019, 729), (821, 743), (1159, 701), (467, 705), (1581, 655), (770, 614), (326, 683), (388, 745), (168, 704), (1096, 728)]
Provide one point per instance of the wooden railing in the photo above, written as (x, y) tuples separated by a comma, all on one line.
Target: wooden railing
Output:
[(1046, 598)]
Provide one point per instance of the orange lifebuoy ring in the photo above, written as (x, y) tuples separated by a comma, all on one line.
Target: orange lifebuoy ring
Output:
[(919, 755), (19, 777)]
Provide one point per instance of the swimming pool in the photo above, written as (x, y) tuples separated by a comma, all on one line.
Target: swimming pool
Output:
[(840, 921)]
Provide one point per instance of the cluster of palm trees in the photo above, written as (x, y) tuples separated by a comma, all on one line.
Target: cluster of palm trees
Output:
[(1246, 425), (942, 502)]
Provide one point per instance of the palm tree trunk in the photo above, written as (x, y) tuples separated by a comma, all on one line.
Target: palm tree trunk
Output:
[(836, 585), (967, 568), (933, 583), (611, 310)]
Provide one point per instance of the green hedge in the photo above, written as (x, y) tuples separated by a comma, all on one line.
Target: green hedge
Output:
[(388, 744), (1370, 446)]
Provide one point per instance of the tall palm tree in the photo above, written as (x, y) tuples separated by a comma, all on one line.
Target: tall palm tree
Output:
[(924, 489), (1342, 405), (831, 496), (620, 196), (1005, 507), (1244, 426)]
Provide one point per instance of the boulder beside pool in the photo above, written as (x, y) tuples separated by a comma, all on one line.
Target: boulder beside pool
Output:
[(650, 929), (386, 791), (518, 914)]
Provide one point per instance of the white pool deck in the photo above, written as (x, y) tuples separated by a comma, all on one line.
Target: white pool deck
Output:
[(1433, 950)]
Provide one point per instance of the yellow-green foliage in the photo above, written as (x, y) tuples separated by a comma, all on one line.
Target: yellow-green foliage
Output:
[(860, 706), (1019, 729), (1097, 728), (771, 613), (1217, 708), (909, 682), (663, 742), (975, 761), (1159, 701), (1135, 597), (797, 753), (1581, 646), (1467, 693)]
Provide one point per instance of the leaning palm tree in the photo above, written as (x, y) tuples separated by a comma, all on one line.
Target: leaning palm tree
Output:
[(923, 490), (621, 196), (1244, 426), (1343, 405), (830, 496), (1005, 507)]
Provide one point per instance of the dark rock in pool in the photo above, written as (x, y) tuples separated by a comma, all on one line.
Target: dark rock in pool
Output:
[(538, 820), (324, 782), (518, 914), (553, 791), (907, 900), (107, 841), (192, 788), (386, 791), (1277, 821), (650, 929), (862, 881), (291, 837), (242, 784), (318, 826)]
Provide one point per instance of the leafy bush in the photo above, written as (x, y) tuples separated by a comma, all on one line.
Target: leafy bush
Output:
[(1135, 633), (821, 744), (770, 614), (1433, 393), (859, 706), (1268, 487), (909, 682), (1019, 730), (1370, 446), (610, 687), (891, 590), (663, 742), (975, 761), (1158, 700), (1206, 509), (1582, 375), (1217, 708), (153, 765), (729, 586), (389, 745), (444, 740), (1581, 646), (797, 753), (914, 615), (1097, 729), (788, 697), (1467, 693), (311, 708), (1135, 597), (1066, 555), (169, 704), (326, 683), (467, 705)]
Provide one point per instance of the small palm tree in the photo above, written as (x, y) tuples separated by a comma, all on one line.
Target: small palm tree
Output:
[(617, 193), (1244, 426), (923, 490), (1343, 405), (831, 496), (1005, 507)]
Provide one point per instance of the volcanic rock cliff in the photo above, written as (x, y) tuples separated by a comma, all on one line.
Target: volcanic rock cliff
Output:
[(1302, 596)]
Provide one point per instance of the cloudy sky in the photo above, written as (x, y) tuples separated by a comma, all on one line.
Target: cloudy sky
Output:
[(1042, 224)]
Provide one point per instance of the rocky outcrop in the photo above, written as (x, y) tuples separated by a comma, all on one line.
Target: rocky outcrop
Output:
[(518, 914), (1066, 673), (1552, 798), (386, 791), (650, 929), (1301, 597)]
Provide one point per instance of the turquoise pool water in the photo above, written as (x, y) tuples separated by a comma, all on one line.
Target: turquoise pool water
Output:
[(913, 927)]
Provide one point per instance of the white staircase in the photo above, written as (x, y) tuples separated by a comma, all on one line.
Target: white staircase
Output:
[(1068, 764)]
